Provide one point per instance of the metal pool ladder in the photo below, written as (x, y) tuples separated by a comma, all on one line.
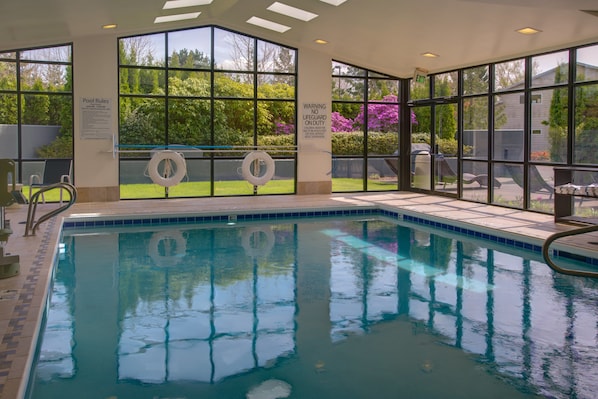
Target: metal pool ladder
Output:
[(31, 224), (556, 236)]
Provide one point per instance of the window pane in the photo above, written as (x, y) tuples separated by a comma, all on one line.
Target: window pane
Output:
[(45, 77), (339, 68), (11, 55), (8, 138), (147, 50), (548, 141), (187, 84), (8, 76), (508, 127), (142, 121), (235, 123), (420, 91), (445, 85), (274, 58), (142, 81), (56, 54), (190, 48), (550, 69), (233, 51), (475, 80), (475, 128), (510, 193), (586, 125), (541, 183), (587, 63), (342, 117), (471, 190), (379, 89), (8, 109), (189, 122), (446, 128), (277, 118), (349, 89), (509, 75), (238, 85), (276, 86)]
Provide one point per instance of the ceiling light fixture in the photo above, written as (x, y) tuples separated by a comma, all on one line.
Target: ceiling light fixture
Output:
[(170, 4), (321, 41), (430, 55), (109, 26), (528, 31), (334, 2), (264, 23), (176, 17), (292, 12)]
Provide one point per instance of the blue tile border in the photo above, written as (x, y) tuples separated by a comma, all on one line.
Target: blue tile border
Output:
[(320, 213)]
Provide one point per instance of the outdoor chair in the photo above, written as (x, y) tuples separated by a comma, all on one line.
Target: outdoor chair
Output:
[(447, 175), (55, 171), (537, 184)]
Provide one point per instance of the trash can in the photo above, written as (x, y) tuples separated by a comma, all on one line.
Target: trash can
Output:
[(421, 171)]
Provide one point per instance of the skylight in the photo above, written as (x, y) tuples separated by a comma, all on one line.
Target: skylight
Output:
[(176, 17), (170, 4), (264, 23), (292, 12)]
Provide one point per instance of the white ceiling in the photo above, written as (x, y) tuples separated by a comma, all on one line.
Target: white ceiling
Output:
[(387, 36)]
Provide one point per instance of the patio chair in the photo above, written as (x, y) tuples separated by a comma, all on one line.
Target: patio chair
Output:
[(537, 184), (55, 171), (447, 175)]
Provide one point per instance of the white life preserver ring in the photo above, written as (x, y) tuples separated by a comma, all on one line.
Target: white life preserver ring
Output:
[(257, 241), (167, 178), (169, 255), (254, 177)]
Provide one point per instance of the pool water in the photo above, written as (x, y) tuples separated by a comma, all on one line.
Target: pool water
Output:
[(318, 308)]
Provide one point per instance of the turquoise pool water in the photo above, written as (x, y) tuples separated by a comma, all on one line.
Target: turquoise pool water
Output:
[(316, 308)]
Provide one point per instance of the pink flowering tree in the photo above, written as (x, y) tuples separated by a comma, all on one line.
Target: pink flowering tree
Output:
[(383, 118)]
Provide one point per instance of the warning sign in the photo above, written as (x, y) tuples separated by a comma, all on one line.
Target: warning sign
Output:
[(314, 120)]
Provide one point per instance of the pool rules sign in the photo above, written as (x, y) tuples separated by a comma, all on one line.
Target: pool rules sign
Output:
[(314, 120)]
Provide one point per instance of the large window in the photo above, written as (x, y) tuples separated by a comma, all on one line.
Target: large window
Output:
[(365, 129), (218, 94), (36, 108)]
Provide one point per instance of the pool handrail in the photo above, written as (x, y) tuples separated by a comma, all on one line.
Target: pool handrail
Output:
[(31, 224), (561, 234)]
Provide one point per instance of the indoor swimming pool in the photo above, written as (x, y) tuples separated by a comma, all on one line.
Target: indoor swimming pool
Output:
[(323, 307)]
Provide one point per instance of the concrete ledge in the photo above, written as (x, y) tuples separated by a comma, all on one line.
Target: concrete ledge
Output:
[(314, 187), (98, 194)]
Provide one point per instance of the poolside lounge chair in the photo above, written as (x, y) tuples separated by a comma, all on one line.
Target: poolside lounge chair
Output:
[(537, 184), (447, 175), (55, 171)]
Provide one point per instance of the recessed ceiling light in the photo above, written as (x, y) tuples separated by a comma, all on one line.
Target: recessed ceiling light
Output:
[(291, 11), (528, 31), (264, 23), (184, 3), (109, 26), (429, 55), (321, 41), (176, 17), (334, 2)]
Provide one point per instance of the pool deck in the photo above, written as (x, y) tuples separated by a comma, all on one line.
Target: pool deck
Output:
[(22, 297)]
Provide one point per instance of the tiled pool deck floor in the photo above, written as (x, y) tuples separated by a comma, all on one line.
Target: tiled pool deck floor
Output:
[(22, 296)]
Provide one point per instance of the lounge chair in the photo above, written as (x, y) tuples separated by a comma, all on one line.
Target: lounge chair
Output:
[(447, 175), (55, 171), (537, 184)]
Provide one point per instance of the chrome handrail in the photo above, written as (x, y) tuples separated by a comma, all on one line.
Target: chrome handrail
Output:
[(31, 225), (556, 236)]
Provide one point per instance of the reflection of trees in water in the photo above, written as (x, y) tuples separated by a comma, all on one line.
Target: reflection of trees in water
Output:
[(207, 261)]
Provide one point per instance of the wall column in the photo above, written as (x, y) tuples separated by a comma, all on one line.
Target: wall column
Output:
[(95, 78)]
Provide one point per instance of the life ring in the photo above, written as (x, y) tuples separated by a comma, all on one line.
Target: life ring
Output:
[(254, 177), (257, 241), (166, 178), (169, 255)]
